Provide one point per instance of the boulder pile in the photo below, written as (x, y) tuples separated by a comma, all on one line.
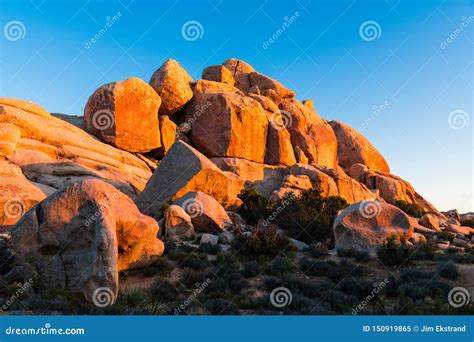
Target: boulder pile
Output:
[(85, 198)]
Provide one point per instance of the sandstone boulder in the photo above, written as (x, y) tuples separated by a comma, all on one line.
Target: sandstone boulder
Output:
[(240, 71), (182, 170), (82, 236), (125, 114), (456, 229), (168, 132), (228, 123), (353, 147), (310, 133), (178, 222), (218, 73), (207, 215), (365, 226), (429, 221), (173, 84)]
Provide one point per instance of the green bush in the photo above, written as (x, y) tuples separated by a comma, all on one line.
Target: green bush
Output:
[(468, 223), (263, 241), (164, 291), (394, 253), (411, 209), (309, 218), (278, 266), (448, 270), (446, 236), (250, 269), (254, 206), (318, 250), (221, 307)]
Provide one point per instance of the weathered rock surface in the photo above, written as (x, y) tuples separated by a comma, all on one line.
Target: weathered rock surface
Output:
[(227, 123), (173, 84), (47, 153), (125, 114), (82, 236), (353, 147), (178, 222), (218, 73), (463, 230), (365, 226), (391, 188), (182, 170), (429, 221), (310, 133), (207, 215)]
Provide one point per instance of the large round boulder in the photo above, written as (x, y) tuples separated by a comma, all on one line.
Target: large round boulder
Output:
[(125, 114), (365, 226)]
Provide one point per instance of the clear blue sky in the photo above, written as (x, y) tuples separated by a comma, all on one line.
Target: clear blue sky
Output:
[(409, 74)]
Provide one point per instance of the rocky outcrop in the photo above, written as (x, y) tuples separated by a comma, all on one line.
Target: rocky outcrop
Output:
[(173, 84), (218, 73), (108, 115), (182, 170), (353, 148), (430, 221), (82, 236), (391, 188), (207, 215), (177, 223), (365, 226), (226, 123), (46, 153)]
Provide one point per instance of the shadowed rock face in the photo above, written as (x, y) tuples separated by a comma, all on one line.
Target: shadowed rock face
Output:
[(365, 226), (82, 236)]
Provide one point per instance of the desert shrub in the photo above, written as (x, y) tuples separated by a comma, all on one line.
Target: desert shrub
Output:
[(411, 274), (318, 250), (309, 217), (164, 291), (132, 298), (160, 266), (315, 268), (278, 266), (448, 270), (264, 240), (250, 269), (209, 248), (340, 301), (394, 253), (191, 277), (468, 223), (411, 209), (195, 261), (221, 307), (356, 287), (359, 255), (254, 206), (6, 260), (425, 251), (344, 269), (446, 236)]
